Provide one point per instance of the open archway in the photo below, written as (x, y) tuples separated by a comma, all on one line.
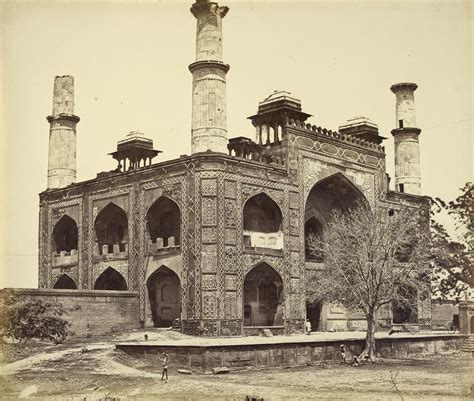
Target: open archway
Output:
[(111, 229), (262, 223), (163, 221), (64, 282), (335, 192), (164, 293), (263, 297), (65, 234), (110, 279)]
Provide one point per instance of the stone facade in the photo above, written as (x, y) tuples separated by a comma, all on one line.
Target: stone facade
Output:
[(217, 240)]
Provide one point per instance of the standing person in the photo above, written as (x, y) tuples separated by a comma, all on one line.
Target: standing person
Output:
[(165, 362), (342, 348), (307, 327)]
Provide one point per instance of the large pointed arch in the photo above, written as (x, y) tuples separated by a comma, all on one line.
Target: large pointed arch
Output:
[(65, 234), (164, 293), (335, 192), (163, 220), (111, 228), (65, 282), (110, 279), (262, 222), (263, 297)]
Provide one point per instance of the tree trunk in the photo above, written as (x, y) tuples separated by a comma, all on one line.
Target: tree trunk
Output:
[(369, 350)]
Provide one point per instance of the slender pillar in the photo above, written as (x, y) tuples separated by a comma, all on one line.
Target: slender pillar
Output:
[(407, 149), (209, 121), (62, 135)]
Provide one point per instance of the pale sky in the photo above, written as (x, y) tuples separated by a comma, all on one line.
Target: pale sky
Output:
[(129, 61)]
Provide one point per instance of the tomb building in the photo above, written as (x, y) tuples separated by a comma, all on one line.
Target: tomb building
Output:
[(217, 239)]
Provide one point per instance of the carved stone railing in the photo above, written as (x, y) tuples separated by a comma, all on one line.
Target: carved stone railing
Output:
[(65, 258), (162, 246), (313, 129)]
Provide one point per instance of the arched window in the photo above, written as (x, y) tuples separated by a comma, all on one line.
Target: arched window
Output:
[(313, 230), (111, 228), (110, 279), (65, 234), (164, 221), (164, 293), (65, 282), (263, 297), (262, 223)]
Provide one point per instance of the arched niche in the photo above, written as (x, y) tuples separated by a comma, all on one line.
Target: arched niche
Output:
[(262, 223), (65, 234), (110, 279), (64, 282), (313, 231), (111, 229), (163, 221), (164, 293), (263, 297)]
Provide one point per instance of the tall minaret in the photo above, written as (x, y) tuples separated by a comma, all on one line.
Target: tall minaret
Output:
[(209, 121), (62, 135), (407, 150)]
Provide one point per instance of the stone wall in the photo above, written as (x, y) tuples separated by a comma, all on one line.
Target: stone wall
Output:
[(91, 312), (201, 358)]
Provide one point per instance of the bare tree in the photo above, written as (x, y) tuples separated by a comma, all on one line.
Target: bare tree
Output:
[(372, 258)]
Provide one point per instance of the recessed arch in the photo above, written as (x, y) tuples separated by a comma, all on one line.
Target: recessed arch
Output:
[(65, 234), (262, 223), (342, 190), (65, 282), (164, 294), (163, 220), (263, 297), (111, 228), (313, 231), (110, 279)]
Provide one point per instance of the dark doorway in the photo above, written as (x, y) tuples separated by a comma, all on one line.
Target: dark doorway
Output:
[(263, 297), (65, 283), (111, 228), (110, 279), (313, 313), (65, 234), (164, 220), (164, 293), (472, 325), (403, 314)]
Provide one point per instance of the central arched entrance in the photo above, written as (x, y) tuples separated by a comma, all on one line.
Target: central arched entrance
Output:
[(263, 297), (335, 192), (164, 292)]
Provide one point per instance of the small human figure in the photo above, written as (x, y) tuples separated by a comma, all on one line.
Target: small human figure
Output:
[(165, 362), (342, 349), (307, 327), (146, 337), (355, 361)]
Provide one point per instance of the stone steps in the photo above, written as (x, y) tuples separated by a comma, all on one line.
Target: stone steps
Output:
[(468, 345)]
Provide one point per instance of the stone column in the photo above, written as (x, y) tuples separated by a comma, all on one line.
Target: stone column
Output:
[(407, 150), (62, 135), (209, 121)]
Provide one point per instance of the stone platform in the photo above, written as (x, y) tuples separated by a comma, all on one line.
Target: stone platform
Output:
[(204, 354)]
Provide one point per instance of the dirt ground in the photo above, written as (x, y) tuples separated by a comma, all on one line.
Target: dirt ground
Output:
[(96, 371)]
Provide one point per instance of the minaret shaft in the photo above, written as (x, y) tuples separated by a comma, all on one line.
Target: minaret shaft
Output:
[(62, 135), (209, 120), (407, 149)]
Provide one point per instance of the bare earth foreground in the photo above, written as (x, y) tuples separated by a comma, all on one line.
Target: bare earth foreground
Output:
[(96, 370)]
